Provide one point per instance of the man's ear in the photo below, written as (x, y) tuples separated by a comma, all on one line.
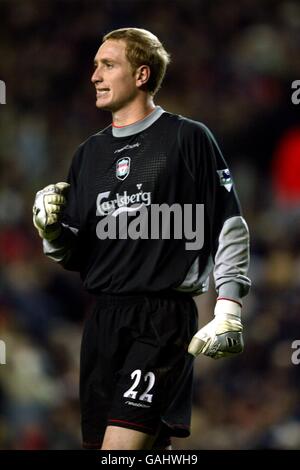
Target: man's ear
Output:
[(142, 75)]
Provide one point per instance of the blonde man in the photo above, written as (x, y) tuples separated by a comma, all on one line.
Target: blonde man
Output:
[(139, 344)]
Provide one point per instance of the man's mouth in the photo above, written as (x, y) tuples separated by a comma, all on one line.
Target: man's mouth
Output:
[(101, 92)]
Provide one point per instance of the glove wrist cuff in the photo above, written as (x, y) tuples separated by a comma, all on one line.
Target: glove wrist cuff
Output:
[(50, 234), (228, 307)]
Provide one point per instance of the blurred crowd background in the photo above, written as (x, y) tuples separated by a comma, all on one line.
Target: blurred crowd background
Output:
[(233, 64)]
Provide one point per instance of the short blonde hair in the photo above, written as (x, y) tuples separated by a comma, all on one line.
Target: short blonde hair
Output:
[(144, 48)]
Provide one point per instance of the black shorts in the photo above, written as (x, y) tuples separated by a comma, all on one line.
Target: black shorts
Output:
[(136, 372)]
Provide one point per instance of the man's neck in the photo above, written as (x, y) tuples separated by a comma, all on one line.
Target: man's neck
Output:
[(132, 113)]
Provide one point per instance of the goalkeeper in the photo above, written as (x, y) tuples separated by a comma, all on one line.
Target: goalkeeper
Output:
[(140, 341)]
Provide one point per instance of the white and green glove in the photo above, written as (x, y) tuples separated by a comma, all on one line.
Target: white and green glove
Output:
[(222, 336), (48, 208)]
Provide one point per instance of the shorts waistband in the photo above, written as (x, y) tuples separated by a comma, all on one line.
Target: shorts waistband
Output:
[(120, 299)]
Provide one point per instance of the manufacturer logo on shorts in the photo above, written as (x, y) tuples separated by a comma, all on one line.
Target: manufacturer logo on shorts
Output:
[(138, 405), (123, 168)]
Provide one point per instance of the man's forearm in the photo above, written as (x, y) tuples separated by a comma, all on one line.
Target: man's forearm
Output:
[(63, 248), (232, 260)]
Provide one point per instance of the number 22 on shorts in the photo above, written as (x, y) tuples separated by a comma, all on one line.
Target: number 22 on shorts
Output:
[(149, 379)]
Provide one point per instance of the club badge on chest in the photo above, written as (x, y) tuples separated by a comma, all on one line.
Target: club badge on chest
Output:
[(123, 168)]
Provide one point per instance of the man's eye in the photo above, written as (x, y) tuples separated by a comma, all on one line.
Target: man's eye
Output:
[(109, 66)]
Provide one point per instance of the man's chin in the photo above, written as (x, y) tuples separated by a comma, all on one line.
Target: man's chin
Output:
[(104, 106), (112, 107)]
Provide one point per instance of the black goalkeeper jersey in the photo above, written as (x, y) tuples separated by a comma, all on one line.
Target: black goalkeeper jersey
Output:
[(119, 174)]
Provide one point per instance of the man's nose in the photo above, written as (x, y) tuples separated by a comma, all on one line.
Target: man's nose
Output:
[(97, 76)]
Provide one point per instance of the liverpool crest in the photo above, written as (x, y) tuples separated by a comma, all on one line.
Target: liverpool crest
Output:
[(123, 168)]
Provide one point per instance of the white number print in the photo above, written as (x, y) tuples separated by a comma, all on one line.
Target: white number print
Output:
[(136, 376), (148, 396), (130, 392)]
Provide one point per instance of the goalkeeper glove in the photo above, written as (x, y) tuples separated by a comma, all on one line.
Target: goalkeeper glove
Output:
[(222, 336), (47, 210)]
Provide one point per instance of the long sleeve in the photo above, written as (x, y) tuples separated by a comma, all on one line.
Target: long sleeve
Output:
[(226, 235), (67, 248), (228, 228)]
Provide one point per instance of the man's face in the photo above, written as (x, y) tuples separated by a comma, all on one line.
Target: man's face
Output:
[(114, 79)]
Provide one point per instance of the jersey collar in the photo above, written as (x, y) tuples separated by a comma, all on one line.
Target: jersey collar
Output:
[(138, 126)]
